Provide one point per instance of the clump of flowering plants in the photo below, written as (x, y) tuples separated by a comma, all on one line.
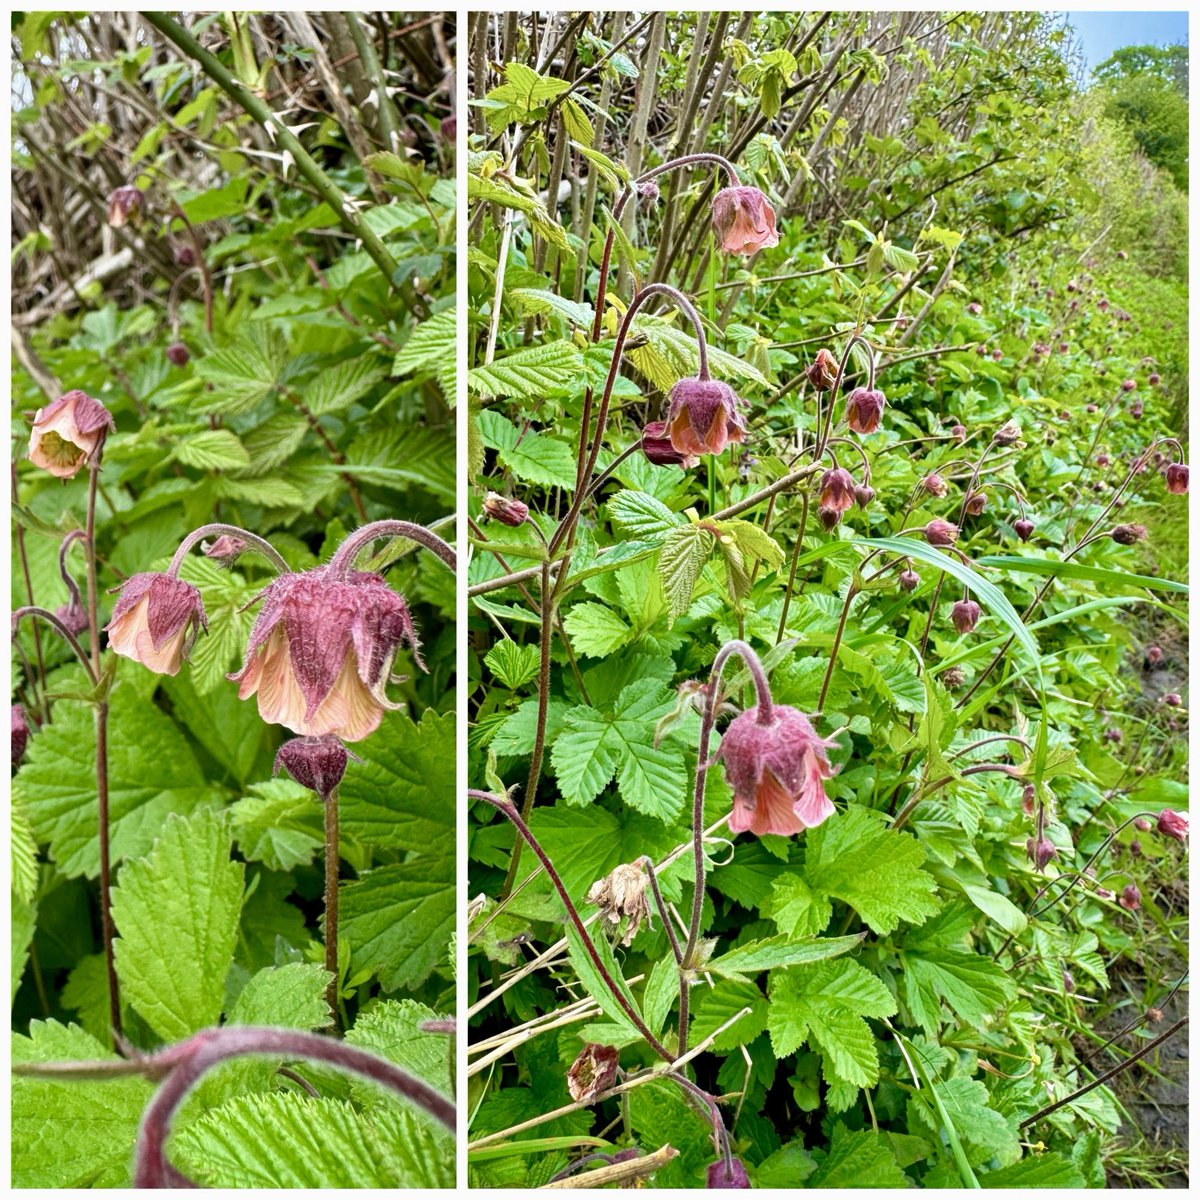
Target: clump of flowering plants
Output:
[(233, 728), (796, 839)]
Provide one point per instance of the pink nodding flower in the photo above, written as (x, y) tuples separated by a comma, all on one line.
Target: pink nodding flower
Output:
[(20, 734), (822, 372), (934, 484), (777, 770), (1024, 528), (321, 652), (1173, 824), (837, 489), (703, 417), (67, 432), (317, 763), (722, 1176), (743, 220), (125, 204), (1131, 898), (941, 533), (156, 620), (864, 410), (965, 615), (1177, 479), (976, 503)]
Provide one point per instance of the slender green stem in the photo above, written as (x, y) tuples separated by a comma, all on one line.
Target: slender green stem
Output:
[(332, 873)]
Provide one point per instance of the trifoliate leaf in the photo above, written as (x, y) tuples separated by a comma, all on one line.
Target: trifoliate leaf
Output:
[(858, 1159)]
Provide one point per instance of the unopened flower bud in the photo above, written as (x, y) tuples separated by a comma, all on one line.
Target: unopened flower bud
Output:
[(185, 255), (743, 220), (953, 678), (1153, 654), (934, 484), (1024, 528), (1127, 385), (837, 489), (1131, 898), (959, 432), (976, 503), (965, 615), (1040, 851), (73, 615), (177, 354), (1136, 410), (317, 763), (863, 495), (1028, 799), (1102, 460), (1173, 699), (822, 372), (1173, 824), (1128, 535), (592, 1072), (1143, 825), (1068, 981), (225, 550), (505, 509), (941, 533), (909, 579), (974, 308), (647, 189), (1154, 379), (829, 518), (997, 354)]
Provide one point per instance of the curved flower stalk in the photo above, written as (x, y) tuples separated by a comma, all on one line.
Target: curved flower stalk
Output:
[(181, 1067)]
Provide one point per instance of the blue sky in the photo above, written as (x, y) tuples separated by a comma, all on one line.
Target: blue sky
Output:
[(1103, 32)]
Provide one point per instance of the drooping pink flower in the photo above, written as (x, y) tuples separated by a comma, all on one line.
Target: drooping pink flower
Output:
[(1173, 824), (703, 417), (1131, 897), (909, 580), (822, 372), (321, 652), (178, 354), (125, 204), (1040, 851), (976, 503), (156, 620), (1177, 479), (656, 446), (934, 484), (863, 495), (743, 220), (864, 409), (777, 770), (1153, 654), (965, 615), (66, 433), (941, 533), (837, 489)]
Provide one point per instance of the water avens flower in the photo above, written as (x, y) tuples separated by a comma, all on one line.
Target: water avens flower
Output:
[(317, 763), (965, 615), (592, 1072), (1008, 434), (864, 409), (1173, 824), (776, 766), (863, 495), (822, 372), (976, 503), (1176, 476), (1040, 851), (703, 417), (225, 550), (934, 484), (722, 1175), (837, 489), (909, 580), (73, 615), (156, 621), (620, 894), (941, 533), (321, 652), (1172, 699), (656, 446), (1130, 898), (125, 204), (505, 509), (743, 220), (1153, 654), (1024, 528), (67, 432), (177, 354)]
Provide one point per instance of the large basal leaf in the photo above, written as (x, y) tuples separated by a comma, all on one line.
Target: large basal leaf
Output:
[(176, 913)]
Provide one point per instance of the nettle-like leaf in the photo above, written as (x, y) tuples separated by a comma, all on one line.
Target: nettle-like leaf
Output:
[(177, 913), (431, 347), (680, 561), (289, 1140), (534, 458), (152, 772), (528, 374), (596, 744), (825, 1005), (514, 664), (72, 1133)]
